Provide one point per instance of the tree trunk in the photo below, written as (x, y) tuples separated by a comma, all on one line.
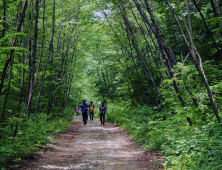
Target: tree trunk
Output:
[(51, 55), (189, 19), (175, 85), (207, 28), (32, 64), (24, 61), (219, 15), (132, 37), (4, 72), (145, 63), (43, 76), (7, 92), (110, 96), (150, 30), (3, 22), (214, 8), (198, 65)]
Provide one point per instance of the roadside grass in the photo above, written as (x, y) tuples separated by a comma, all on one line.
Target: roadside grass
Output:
[(33, 135), (183, 146)]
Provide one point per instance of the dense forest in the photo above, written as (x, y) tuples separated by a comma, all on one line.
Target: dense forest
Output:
[(156, 63)]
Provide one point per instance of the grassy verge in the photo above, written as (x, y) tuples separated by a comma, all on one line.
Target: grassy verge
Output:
[(33, 135), (184, 147)]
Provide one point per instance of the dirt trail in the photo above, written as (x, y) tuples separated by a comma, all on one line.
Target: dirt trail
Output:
[(94, 147)]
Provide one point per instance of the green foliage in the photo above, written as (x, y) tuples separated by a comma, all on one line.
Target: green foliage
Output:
[(101, 59), (10, 37), (162, 126), (32, 136), (184, 147), (214, 21)]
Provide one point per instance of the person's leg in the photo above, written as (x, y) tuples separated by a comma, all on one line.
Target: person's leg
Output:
[(92, 115), (83, 119), (101, 118), (86, 117)]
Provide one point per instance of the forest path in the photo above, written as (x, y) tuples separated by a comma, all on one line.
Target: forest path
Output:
[(94, 147)]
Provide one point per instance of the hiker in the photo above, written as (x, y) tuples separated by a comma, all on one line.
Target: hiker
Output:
[(91, 110), (102, 111), (84, 108), (77, 111), (73, 110)]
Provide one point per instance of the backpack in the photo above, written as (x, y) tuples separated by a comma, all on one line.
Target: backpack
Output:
[(103, 109), (84, 108), (91, 107)]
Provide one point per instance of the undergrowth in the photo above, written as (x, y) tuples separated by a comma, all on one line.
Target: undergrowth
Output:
[(184, 147), (33, 135)]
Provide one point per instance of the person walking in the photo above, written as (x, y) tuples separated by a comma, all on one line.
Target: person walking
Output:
[(73, 110), (102, 111), (91, 110), (84, 108), (77, 111)]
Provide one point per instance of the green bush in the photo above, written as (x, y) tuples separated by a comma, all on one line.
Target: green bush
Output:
[(32, 135), (184, 147)]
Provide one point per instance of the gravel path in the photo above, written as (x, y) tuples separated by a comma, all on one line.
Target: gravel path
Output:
[(94, 147)]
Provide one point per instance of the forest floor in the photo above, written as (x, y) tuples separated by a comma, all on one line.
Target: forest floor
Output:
[(94, 147)]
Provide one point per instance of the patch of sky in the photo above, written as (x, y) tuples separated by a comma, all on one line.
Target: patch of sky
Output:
[(100, 14)]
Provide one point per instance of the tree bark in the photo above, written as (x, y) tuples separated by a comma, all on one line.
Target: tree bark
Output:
[(32, 62), (189, 19), (24, 61), (219, 15), (146, 60), (7, 93), (150, 31), (51, 62), (4, 72), (43, 76), (132, 37), (198, 65), (4, 19), (175, 85)]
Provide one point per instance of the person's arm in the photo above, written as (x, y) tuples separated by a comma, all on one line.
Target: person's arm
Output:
[(93, 108), (80, 107), (99, 109), (87, 107)]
